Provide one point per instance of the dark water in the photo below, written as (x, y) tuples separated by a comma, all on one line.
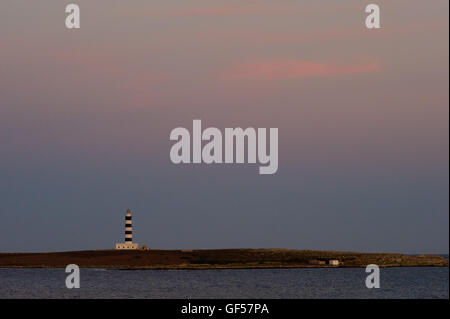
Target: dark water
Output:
[(248, 283)]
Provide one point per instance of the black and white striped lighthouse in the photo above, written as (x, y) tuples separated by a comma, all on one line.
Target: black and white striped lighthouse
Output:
[(128, 244), (128, 227)]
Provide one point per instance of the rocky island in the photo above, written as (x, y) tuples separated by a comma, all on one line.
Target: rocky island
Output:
[(215, 259)]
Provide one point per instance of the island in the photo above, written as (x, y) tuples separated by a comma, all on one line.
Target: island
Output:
[(215, 259)]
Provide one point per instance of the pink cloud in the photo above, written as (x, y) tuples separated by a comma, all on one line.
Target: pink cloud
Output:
[(264, 37), (289, 69)]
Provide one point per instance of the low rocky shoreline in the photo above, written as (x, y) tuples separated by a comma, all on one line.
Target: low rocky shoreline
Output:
[(215, 259)]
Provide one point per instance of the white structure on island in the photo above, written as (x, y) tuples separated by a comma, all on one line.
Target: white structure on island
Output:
[(128, 244), (334, 262)]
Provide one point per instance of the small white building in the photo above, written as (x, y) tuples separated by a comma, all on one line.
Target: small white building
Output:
[(334, 262), (128, 244)]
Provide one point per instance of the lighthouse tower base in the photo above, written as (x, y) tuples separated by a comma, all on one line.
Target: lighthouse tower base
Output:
[(127, 246)]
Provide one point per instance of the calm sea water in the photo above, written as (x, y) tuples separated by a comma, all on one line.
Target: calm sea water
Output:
[(245, 283)]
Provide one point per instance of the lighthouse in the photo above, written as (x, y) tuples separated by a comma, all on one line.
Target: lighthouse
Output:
[(128, 244)]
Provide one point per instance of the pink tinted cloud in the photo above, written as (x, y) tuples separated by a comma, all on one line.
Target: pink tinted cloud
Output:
[(264, 37), (272, 70)]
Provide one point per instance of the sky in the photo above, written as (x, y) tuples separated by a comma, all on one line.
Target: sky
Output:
[(363, 119)]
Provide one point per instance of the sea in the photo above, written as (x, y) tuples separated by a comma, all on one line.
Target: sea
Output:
[(326, 283)]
